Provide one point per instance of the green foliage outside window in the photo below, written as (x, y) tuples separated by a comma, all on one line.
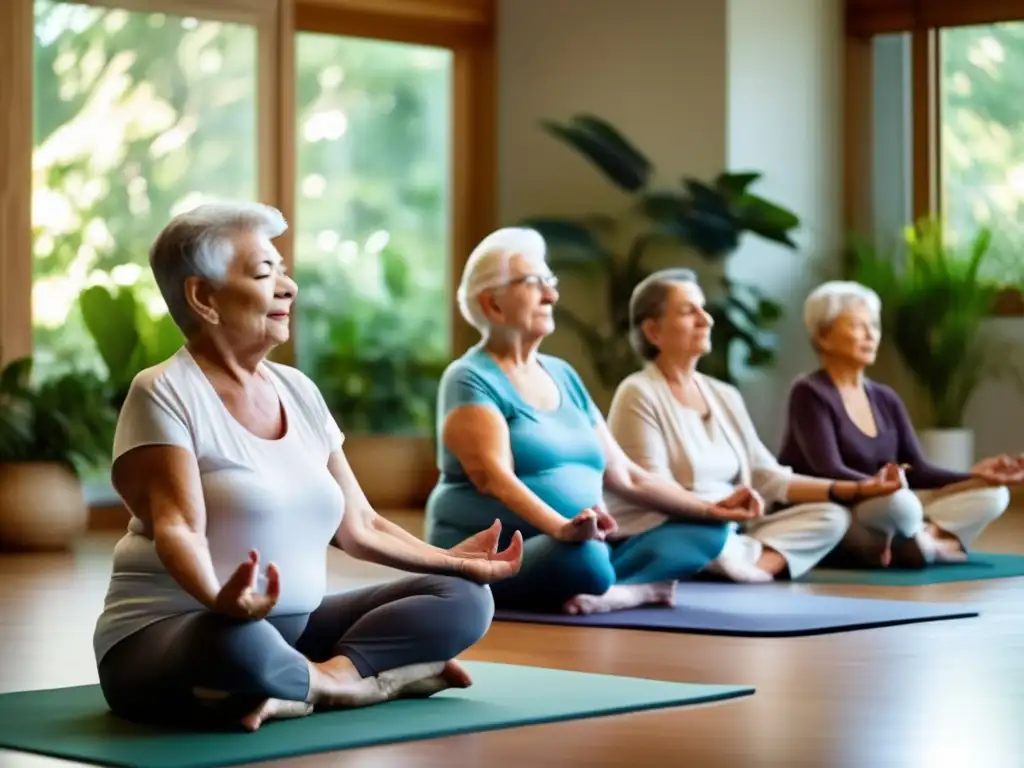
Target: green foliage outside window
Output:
[(141, 115)]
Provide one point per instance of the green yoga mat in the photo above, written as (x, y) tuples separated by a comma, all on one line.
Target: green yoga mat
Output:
[(75, 724), (980, 565)]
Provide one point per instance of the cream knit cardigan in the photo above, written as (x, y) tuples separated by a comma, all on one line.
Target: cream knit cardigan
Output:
[(644, 419)]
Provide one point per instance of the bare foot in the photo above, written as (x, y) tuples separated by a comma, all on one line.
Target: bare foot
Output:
[(338, 684), (771, 562), (456, 674), (740, 571), (623, 596), (925, 548), (911, 553), (275, 709), (948, 548), (452, 675), (885, 557)]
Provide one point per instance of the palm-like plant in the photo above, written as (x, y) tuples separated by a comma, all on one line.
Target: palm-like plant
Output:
[(707, 218), (934, 301)]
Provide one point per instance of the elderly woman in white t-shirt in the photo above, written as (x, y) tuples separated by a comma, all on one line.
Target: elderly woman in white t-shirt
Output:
[(232, 469), (695, 430)]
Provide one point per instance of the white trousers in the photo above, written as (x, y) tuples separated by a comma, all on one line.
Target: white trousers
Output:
[(965, 514), (802, 534)]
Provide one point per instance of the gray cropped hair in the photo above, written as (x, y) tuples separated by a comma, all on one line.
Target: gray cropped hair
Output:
[(829, 300), (201, 243), (487, 267), (647, 302)]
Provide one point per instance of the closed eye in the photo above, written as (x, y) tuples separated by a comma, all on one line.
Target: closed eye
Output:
[(271, 266)]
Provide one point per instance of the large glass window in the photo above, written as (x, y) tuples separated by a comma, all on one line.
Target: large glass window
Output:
[(137, 116), (372, 219), (981, 138)]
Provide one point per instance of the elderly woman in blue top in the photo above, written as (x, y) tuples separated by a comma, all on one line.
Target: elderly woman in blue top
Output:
[(522, 442), (237, 483)]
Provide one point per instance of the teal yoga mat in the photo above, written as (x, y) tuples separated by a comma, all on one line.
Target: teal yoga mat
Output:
[(980, 565), (75, 724)]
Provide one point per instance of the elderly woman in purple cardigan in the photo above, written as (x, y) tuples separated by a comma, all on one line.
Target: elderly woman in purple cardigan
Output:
[(843, 425)]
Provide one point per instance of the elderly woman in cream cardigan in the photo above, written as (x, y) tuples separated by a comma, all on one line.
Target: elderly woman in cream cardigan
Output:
[(695, 430)]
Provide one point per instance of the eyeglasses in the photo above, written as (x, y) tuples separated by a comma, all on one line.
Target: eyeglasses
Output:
[(548, 281)]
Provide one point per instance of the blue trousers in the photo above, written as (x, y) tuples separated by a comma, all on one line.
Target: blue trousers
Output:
[(554, 571)]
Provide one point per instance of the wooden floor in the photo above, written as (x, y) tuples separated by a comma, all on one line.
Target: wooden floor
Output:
[(940, 694)]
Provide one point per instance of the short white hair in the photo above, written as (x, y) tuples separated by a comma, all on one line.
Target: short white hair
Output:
[(829, 300), (201, 243), (487, 267)]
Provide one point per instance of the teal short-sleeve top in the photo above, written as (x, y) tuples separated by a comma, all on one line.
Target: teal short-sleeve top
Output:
[(556, 453)]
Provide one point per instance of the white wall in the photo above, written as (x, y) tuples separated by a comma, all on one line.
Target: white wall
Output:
[(785, 119), (656, 69), (996, 412), (701, 85)]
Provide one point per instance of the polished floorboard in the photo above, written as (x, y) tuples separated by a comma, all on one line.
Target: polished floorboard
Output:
[(937, 694)]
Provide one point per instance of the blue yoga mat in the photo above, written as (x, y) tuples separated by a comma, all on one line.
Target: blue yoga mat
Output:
[(755, 610), (75, 724), (980, 565)]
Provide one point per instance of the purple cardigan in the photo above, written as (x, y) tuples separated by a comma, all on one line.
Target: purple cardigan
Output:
[(822, 441)]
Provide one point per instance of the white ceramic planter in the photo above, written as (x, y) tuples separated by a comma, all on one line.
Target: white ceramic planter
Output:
[(949, 448)]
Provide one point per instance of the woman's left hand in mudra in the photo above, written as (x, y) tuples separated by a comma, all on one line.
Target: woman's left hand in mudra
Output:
[(1000, 470), (478, 558)]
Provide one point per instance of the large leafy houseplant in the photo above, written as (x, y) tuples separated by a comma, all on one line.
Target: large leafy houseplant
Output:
[(376, 352), (934, 301), (708, 218), (67, 420), (127, 337)]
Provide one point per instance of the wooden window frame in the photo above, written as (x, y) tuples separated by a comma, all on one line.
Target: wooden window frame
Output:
[(467, 29), (17, 34), (925, 51)]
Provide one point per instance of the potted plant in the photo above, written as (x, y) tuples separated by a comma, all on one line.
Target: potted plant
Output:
[(128, 338), (376, 350), (708, 219), (935, 299), (50, 432)]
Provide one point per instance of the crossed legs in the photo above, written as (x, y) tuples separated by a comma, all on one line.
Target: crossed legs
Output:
[(358, 648), (596, 577), (913, 529), (793, 540)]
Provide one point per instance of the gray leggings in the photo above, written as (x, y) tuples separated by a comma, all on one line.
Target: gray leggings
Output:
[(151, 675)]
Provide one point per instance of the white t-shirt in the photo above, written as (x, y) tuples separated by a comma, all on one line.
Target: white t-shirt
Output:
[(275, 496)]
